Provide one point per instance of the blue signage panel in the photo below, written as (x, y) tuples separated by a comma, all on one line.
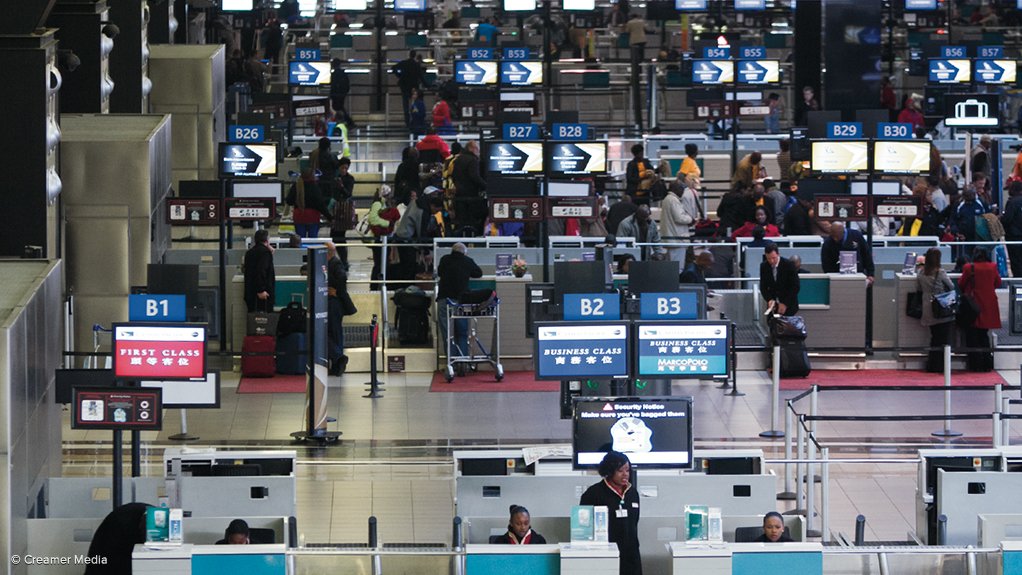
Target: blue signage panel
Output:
[(995, 71), (515, 53), (480, 53), (156, 307), (306, 54), (692, 4), (521, 73), (570, 131), (680, 350), (308, 73), (920, 4), (759, 71), (752, 52), (475, 73), (944, 71), (894, 131), (716, 52), (750, 5), (953, 52), (844, 130), (713, 71), (570, 351), (990, 52), (520, 132), (591, 306), (682, 305), (249, 134)]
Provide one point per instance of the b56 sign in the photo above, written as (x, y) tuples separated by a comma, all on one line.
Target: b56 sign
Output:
[(159, 351)]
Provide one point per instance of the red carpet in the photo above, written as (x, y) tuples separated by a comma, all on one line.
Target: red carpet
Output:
[(888, 377), (276, 384), (514, 381)]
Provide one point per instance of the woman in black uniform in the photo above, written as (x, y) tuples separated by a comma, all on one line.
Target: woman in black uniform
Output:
[(773, 529), (622, 502), (519, 530)]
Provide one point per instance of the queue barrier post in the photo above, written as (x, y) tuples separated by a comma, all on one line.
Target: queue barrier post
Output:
[(787, 494), (811, 488), (860, 530), (775, 393), (946, 431)]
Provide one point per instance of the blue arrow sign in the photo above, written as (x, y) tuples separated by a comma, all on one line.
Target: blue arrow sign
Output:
[(751, 72), (301, 73), (989, 72), (943, 71), (468, 73), (706, 72)]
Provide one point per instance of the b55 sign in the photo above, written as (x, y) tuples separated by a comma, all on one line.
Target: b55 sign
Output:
[(165, 351)]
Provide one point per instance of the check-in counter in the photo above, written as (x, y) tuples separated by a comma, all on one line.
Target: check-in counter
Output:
[(188, 559), (748, 558), (834, 307), (512, 559), (511, 291), (589, 559), (910, 332), (1011, 558)]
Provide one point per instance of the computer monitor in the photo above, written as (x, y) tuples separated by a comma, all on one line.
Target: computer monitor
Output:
[(811, 188), (682, 349), (173, 279), (818, 121), (653, 277), (840, 156), (654, 432), (582, 349), (579, 277), (66, 379), (576, 158), (273, 190), (199, 188), (869, 120)]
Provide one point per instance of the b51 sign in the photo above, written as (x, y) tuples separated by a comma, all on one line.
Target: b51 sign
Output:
[(159, 351)]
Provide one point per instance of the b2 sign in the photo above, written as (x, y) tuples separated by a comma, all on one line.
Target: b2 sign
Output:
[(169, 351), (591, 307)]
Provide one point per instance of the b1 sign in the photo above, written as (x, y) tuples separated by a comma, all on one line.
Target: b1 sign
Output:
[(155, 307), (171, 351)]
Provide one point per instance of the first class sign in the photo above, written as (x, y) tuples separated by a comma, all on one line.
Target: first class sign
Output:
[(165, 351)]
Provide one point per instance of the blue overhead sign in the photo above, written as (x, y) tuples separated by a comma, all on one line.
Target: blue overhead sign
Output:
[(570, 132), (692, 4), (591, 306), (894, 131), (569, 351), (156, 307), (479, 53), (752, 52), (920, 4), (953, 52), (990, 52), (520, 132), (515, 53), (521, 73), (716, 52), (844, 130), (305, 54), (248, 134), (750, 4), (681, 305)]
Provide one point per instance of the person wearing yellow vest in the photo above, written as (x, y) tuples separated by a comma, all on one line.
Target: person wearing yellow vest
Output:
[(749, 170)]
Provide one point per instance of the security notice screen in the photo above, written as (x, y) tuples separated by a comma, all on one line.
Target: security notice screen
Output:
[(651, 431), (164, 351)]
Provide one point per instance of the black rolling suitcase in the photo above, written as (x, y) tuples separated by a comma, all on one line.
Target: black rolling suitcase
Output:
[(794, 358), (412, 315)]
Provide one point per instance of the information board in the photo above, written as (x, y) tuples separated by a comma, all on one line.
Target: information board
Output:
[(759, 71), (713, 71), (654, 432), (699, 350), (193, 212), (521, 73), (516, 209), (117, 408), (571, 207), (578, 158), (995, 72), (159, 351), (248, 160), (592, 306), (972, 110), (512, 158), (839, 157), (250, 209), (680, 305), (944, 71), (308, 73), (901, 157), (844, 207), (573, 350), (475, 73)]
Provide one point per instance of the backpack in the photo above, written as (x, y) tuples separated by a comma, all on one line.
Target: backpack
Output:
[(292, 319), (792, 200)]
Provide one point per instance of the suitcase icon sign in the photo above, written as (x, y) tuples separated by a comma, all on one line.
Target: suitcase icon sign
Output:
[(972, 108)]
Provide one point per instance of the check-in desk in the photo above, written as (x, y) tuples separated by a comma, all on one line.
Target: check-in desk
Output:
[(511, 291), (910, 332), (513, 559), (834, 308), (189, 559), (1011, 558), (748, 558), (589, 559)]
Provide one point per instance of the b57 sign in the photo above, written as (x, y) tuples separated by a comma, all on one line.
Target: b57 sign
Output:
[(159, 351)]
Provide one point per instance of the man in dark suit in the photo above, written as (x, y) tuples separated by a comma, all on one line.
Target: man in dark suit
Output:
[(778, 282), (259, 276), (845, 240)]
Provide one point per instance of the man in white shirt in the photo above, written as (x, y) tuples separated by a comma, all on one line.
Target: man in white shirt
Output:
[(678, 211)]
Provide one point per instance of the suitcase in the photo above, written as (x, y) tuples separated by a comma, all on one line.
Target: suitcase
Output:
[(292, 354), (257, 359), (794, 358)]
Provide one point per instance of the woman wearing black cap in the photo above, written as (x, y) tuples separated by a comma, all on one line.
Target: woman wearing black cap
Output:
[(622, 502), (236, 533), (519, 530)]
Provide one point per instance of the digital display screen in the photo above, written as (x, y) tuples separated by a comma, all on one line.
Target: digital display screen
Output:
[(901, 157), (116, 408), (521, 73), (519, 5), (514, 157), (573, 350), (236, 5), (200, 393), (576, 158), (475, 73), (654, 432), (578, 4), (920, 4), (410, 5), (838, 157), (972, 110), (159, 351), (259, 190), (248, 160), (713, 71), (682, 350), (950, 71), (995, 71), (308, 73), (351, 5), (750, 4), (759, 71), (690, 4)]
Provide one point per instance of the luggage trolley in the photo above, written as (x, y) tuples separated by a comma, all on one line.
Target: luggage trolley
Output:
[(489, 309)]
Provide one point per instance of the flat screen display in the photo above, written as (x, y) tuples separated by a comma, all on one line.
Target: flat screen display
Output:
[(901, 157), (159, 351), (950, 71), (879, 188), (682, 350), (690, 4), (521, 73), (200, 393), (587, 5), (236, 5), (577, 158), (567, 350), (713, 71), (248, 160), (475, 73), (920, 4), (654, 432), (567, 189), (995, 71), (519, 5), (410, 5), (750, 4), (351, 5), (511, 158), (259, 190), (839, 157), (759, 71), (308, 73), (68, 379)]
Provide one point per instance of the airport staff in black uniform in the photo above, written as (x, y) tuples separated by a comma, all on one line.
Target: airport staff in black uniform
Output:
[(845, 240), (622, 501), (519, 530), (778, 281)]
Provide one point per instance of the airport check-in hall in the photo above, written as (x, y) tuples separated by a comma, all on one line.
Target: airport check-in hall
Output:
[(480, 287)]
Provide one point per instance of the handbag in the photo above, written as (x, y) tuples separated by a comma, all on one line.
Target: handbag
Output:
[(790, 327), (945, 304), (363, 228), (969, 309), (914, 305), (347, 305)]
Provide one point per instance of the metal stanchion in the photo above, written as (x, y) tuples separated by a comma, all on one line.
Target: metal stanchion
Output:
[(825, 493), (374, 544), (996, 435), (775, 392), (882, 560), (947, 431), (860, 530), (787, 494), (811, 489), (942, 529), (800, 435), (374, 381), (1005, 422), (184, 435), (813, 405)]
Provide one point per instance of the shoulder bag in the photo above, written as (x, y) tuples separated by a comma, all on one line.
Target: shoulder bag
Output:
[(969, 310)]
